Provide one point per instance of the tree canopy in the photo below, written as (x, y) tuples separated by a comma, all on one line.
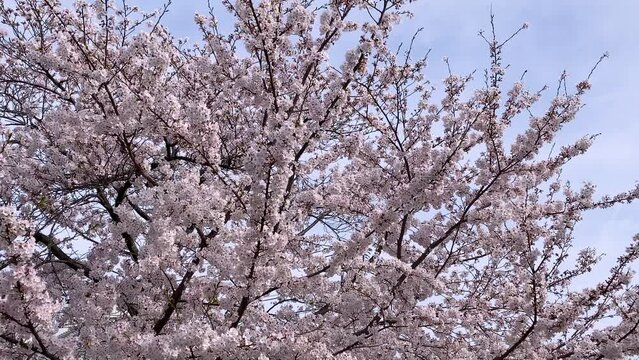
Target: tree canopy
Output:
[(246, 196)]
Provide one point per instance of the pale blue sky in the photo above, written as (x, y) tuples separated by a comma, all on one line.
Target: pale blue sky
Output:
[(570, 35), (563, 34)]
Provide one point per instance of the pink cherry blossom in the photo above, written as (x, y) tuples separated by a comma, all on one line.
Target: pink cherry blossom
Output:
[(248, 196)]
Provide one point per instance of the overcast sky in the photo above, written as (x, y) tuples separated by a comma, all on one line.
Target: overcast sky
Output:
[(566, 35)]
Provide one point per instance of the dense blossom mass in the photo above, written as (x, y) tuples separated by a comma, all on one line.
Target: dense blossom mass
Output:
[(246, 197)]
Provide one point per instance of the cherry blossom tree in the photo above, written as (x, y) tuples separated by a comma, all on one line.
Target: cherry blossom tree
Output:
[(246, 197)]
